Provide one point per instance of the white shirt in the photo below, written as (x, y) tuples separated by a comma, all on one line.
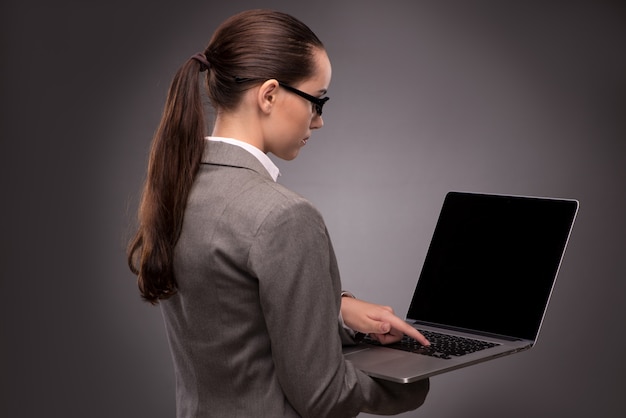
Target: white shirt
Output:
[(260, 155)]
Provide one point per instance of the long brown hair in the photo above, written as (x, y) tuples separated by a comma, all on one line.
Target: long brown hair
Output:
[(249, 47)]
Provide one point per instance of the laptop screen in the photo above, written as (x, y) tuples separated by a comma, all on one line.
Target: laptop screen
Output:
[(492, 263)]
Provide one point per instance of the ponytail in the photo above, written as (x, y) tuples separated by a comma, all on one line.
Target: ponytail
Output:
[(252, 45), (175, 156)]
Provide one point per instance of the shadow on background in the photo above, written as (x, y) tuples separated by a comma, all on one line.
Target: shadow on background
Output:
[(507, 97)]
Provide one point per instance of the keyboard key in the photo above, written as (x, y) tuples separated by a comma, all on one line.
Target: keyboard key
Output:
[(441, 345)]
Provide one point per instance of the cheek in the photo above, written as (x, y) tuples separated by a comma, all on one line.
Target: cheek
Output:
[(298, 124), (306, 118), (300, 110)]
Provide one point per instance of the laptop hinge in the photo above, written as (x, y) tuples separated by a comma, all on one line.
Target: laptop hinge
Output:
[(464, 330)]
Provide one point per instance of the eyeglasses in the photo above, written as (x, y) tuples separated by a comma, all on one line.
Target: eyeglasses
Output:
[(318, 103)]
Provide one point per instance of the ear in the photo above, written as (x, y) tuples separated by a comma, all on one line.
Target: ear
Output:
[(266, 95)]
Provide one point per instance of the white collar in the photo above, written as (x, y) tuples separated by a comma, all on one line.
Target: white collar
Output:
[(260, 155)]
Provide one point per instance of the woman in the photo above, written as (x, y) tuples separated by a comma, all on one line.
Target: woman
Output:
[(243, 268)]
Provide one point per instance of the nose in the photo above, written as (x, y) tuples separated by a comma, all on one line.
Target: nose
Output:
[(317, 121)]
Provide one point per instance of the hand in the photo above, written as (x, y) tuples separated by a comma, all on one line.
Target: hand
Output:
[(378, 321)]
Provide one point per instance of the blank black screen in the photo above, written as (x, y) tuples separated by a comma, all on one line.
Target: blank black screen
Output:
[(492, 263)]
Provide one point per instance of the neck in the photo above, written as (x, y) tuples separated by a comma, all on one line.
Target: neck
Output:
[(242, 123)]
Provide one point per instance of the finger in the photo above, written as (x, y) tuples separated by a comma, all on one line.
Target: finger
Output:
[(384, 327), (407, 329), (403, 327), (388, 338), (374, 326)]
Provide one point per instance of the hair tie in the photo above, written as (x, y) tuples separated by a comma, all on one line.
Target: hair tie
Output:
[(204, 63)]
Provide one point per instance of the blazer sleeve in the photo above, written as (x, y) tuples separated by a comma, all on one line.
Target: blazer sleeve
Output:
[(299, 287)]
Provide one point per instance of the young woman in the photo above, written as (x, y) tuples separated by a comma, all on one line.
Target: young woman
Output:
[(243, 268)]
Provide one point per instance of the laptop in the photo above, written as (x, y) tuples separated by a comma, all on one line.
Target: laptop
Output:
[(484, 286)]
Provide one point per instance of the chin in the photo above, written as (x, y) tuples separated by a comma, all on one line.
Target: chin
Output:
[(287, 156)]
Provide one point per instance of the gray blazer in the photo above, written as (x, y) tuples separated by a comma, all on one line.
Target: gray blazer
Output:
[(254, 329)]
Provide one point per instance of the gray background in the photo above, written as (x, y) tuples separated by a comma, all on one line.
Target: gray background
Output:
[(427, 96)]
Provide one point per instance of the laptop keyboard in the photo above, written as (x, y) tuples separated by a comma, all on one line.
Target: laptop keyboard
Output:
[(441, 345)]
